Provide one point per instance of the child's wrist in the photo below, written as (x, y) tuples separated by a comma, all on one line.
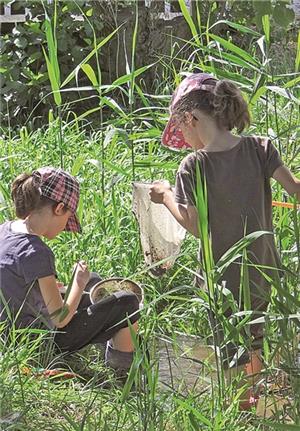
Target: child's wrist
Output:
[(168, 197), (80, 284)]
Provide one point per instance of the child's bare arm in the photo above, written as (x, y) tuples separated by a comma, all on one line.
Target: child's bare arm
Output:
[(186, 215), (290, 183), (53, 299)]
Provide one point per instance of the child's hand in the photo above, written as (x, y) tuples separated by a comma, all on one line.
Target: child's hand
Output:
[(158, 190), (82, 274)]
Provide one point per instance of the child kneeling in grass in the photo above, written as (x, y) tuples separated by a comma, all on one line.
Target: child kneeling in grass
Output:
[(45, 203)]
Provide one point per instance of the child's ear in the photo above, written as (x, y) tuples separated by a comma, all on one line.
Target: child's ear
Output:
[(60, 209)]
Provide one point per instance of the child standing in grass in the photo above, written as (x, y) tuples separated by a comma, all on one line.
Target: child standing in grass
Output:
[(45, 204), (237, 171)]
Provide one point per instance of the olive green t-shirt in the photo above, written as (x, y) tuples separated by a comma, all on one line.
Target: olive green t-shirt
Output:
[(239, 202)]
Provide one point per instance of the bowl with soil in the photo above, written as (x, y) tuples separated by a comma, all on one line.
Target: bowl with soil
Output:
[(111, 285)]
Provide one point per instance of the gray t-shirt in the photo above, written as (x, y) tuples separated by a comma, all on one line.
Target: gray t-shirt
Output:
[(239, 202), (24, 258)]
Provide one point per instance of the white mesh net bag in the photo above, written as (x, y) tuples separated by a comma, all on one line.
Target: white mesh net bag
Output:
[(161, 235)]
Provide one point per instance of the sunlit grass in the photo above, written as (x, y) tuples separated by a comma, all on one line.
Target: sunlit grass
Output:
[(104, 156)]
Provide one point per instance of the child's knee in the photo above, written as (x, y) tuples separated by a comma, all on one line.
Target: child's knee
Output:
[(129, 303)]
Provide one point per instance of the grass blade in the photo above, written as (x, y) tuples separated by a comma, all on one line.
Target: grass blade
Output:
[(89, 56)]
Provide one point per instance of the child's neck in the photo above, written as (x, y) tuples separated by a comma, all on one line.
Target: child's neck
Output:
[(220, 140), (213, 139), (31, 225)]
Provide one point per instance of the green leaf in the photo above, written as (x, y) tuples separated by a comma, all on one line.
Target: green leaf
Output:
[(265, 19), (238, 27), (259, 92), (50, 116), (113, 105), (235, 77), (89, 56), (112, 166), (89, 12), (133, 54), (234, 48), (297, 60), (189, 20), (88, 70), (292, 82), (78, 163), (201, 203), (236, 251), (109, 136), (198, 415), (52, 49), (284, 93), (53, 80), (234, 60), (244, 281), (126, 78), (86, 113)]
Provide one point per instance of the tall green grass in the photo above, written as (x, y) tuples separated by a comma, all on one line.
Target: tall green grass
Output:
[(105, 159)]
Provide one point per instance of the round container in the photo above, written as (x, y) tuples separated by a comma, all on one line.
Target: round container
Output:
[(107, 287)]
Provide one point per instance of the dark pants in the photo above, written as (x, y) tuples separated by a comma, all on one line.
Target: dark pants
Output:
[(97, 323)]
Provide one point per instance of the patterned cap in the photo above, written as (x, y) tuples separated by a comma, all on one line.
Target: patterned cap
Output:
[(172, 136), (59, 186)]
